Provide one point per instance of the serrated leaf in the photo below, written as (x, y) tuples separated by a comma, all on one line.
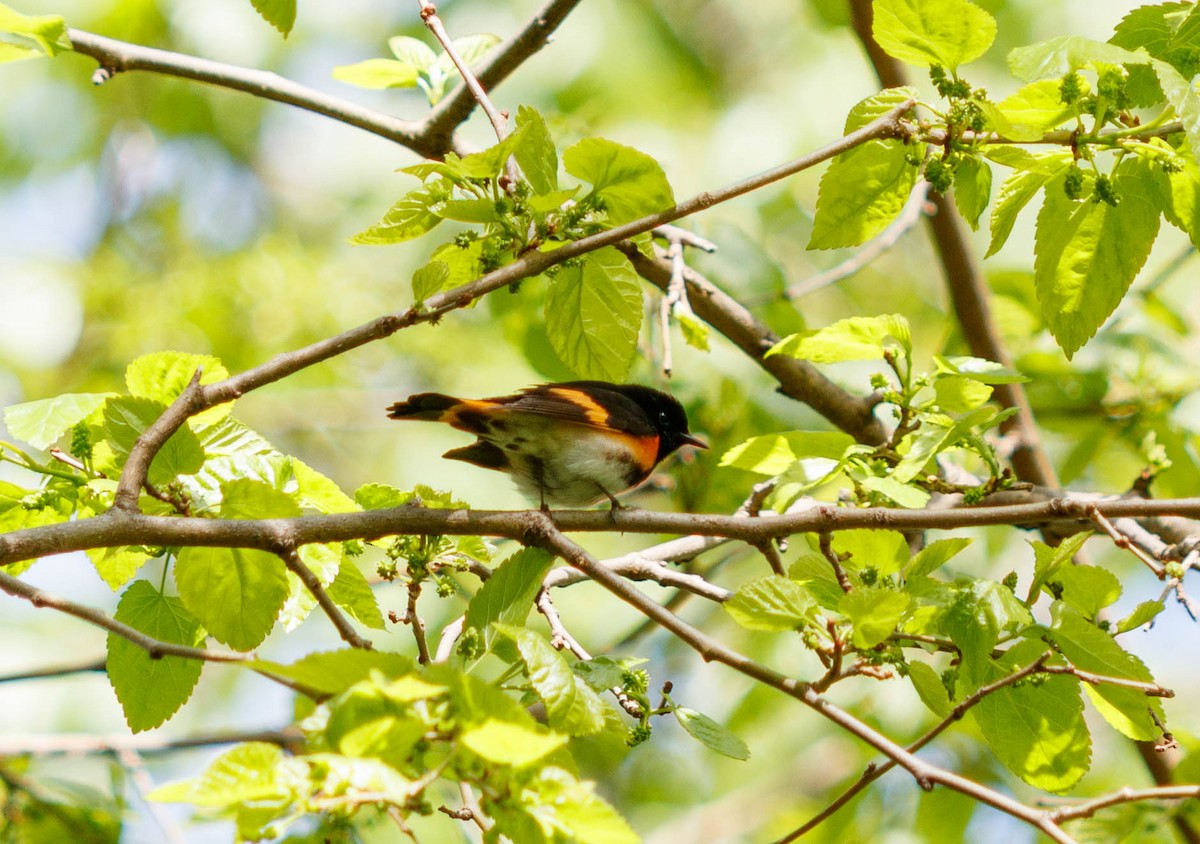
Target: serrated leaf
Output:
[(40, 423), (1088, 253), (978, 369), (771, 454), (1088, 589), (594, 314), (1183, 97), (572, 706), (377, 74), (886, 551), (874, 614), (712, 735), (351, 591), (863, 191), (1065, 53), (1091, 649), (330, 673), (930, 688), (410, 217), (902, 494), (1168, 31), (1017, 190), (935, 555), (242, 774), (163, 376), (125, 419), (412, 51), (1034, 110), (1048, 560), (152, 690), (630, 183), (507, 596), (536, 154), (958, 394), (929, 32), (236, 593), (877, 105), (280, 14), (117, 565), (430, 279), (47, 34), (470, 48), (816, 574), (695, 332), (510, 744), (1142, 614), (972, 189), (854, 338), (772, 603), (1038, 731)]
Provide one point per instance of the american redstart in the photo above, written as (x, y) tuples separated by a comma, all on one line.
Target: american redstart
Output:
[(569, 444)]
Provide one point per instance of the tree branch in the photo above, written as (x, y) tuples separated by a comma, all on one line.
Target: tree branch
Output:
[(345, 629)]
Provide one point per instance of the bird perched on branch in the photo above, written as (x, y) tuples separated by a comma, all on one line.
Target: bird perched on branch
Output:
[(569, 444)]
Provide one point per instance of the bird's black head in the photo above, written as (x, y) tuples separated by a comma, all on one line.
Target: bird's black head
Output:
[(667, 416)]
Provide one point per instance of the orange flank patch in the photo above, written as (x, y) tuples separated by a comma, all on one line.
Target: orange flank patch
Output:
[(643, 449), (595, 413)]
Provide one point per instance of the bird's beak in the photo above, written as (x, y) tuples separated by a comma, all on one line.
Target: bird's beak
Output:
[(688, 439)]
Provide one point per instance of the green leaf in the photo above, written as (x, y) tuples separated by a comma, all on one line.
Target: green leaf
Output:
[(127, 418), (1143, 613), (152, 690), (886, 551), (1088, 253), (1034, 110), (1037, 731), (594, 314), (935, 555), (511, 744), (1091, 649), (1182, 96), (972, 189), (772, 603), (877, 105), (117, 565), (630, 183), (48, 34), (957, 394), (377, 74), (236, 593), (572, 706), (816, 575), (536, 154), (1088, 589), (40, 423), (978, 369), (412, 52), (280, 14), (1065, 53), (328, 673), (507, 596), (695, 332), (874, 613), (430, 279), (930, 688), (367, 721), (163, 376), (410, 217), (1017, 190), (771, 454), (863, 191), (1168, 31), (929, 32), (351, 591), (242, 774), (1048, 560), (854, 338), (712, 735), (900, 493)]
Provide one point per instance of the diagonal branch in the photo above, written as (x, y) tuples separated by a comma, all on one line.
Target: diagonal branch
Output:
[(345, 629)]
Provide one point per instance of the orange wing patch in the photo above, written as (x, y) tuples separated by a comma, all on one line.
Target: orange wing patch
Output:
[(469, 415), (594, 412)]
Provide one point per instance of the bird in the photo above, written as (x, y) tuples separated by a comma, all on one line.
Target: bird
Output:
[(570, 444)]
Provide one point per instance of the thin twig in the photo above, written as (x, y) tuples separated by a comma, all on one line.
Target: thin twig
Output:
[(312, 583), (146, 744), (413, 620), (1122, 541), (55, 671), (157, 649), (1125, 795), (131, 761)]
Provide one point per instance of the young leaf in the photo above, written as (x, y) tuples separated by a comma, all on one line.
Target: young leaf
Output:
[(152, 690), (935, 555), (280, 14), (1065, 53), (330, 673), (900, 493), (877, 105), (410, 217), (930, 688), (929, 32), (1091, 649), (536, 154), (511, 744), (711, 734), (886, 551), (242, 774), (874, 613), (1038, 731), (863, 190), (573, 707), (470, 48), (816, 575), (1168, 31), (854, 338), (236, 593), (430, 279), (1088, 589), (411, 51), (162, 376), (630, 183), (972, 189), (772, 603), (1035, 109), (771, 454), (958, 394), (594, 313), (1087, 253), (351, 591), (978, 369), (508, 594), (1182, 96), (1017, 190), (1143, 613), (117, 565), (48, 34), (377, 74), (126, 418), (40, 423)]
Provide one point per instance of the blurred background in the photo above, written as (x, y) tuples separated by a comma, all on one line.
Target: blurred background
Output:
[(153, 213)]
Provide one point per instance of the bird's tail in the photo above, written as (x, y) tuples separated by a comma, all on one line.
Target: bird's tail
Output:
[(428, 406)]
